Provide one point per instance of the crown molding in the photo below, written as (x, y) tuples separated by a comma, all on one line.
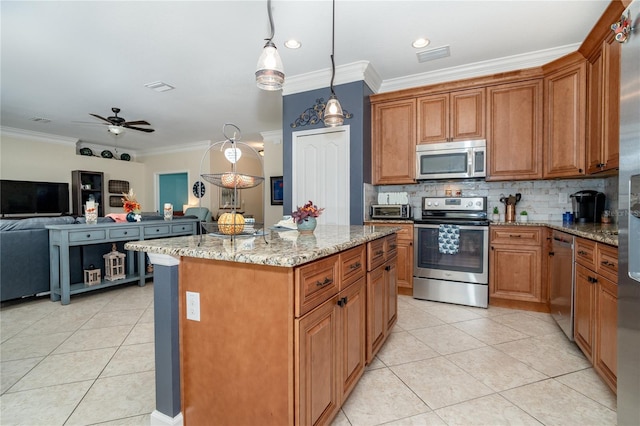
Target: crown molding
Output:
[(38, 136), (273, 136), (479, 69), (364, 70), (194, 146), (348, 73)]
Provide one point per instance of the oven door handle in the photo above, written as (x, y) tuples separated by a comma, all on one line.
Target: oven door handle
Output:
[(462, 227)]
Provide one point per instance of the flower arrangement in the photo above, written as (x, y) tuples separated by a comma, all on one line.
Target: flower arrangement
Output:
[(306, 211), (129, 202)]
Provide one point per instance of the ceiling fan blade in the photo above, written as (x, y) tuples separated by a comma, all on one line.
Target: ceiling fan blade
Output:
[(139, 128), (101, 118), (137, 123)]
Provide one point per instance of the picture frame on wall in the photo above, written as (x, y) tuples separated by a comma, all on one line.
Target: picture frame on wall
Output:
[(277, 191)]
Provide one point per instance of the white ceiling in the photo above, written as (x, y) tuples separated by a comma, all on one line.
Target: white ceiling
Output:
[(64, 60)]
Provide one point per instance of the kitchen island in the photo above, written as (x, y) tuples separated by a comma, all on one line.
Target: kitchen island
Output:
[(281, 327)]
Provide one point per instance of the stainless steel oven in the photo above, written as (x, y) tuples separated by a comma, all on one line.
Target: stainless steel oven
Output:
[(451, 251)]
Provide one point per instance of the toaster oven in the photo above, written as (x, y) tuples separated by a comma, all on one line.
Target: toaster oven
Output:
[(390, 211)]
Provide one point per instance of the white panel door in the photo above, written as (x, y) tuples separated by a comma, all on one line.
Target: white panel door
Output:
[(321, 172)]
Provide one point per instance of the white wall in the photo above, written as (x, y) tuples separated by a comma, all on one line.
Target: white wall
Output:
[(272, 167), (51, 159)]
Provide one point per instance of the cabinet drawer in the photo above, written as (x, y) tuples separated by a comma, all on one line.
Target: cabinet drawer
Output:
[(156, 230), (585, 252), (182, 228), (79, 236), (132, 232), (520, 235), (375, 253), (352, 265), (607, 261), (315, 283), (390, 247)]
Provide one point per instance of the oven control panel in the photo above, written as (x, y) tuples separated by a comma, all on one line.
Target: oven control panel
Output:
[(470, 204)]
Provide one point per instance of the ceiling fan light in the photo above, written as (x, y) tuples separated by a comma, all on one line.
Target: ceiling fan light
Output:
[(333, 115), (116, 130), (270, 71)]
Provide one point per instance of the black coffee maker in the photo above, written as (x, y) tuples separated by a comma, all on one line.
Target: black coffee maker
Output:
[(587, 206)]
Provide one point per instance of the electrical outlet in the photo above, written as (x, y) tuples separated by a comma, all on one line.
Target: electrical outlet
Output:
[(193, 306), (562, 198)]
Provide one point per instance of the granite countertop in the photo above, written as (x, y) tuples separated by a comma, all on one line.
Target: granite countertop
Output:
[(601, 232), (282, 248)]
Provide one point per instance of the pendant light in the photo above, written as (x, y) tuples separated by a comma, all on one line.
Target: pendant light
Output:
[(270, 72), (333, 115)]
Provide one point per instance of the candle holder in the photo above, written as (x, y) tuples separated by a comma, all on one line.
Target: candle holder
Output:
[(91, 213)]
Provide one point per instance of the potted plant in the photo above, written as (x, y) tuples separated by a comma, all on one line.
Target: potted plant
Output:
[(305, 217), (524, 216), (496, 214)]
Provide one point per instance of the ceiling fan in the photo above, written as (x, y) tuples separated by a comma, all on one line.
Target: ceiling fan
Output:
[(118, 124)]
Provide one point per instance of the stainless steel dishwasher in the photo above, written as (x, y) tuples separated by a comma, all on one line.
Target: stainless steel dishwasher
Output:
[(562, 273)]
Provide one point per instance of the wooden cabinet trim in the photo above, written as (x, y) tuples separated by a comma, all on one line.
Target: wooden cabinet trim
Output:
[(585, 253), (315, 283), (516, 235)]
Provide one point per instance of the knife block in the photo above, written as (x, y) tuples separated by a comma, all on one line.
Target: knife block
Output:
[(510, 213)]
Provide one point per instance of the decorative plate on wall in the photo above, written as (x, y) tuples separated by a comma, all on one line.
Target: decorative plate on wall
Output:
[(106, 154), (86, 151), (198, 189), (125, 157)]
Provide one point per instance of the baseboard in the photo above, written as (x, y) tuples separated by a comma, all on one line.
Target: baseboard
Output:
[(159, 419)]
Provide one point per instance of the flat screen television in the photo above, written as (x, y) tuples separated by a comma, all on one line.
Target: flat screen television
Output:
[(26, 198)]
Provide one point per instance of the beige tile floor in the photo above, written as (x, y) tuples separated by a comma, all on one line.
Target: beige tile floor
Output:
[(91, 362)]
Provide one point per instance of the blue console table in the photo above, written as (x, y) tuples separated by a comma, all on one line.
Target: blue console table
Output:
[(62, 237)]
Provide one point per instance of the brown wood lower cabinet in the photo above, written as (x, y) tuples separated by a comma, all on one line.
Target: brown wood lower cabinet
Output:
[(596, 306), (282, 346), (516, 268), (404, 265)]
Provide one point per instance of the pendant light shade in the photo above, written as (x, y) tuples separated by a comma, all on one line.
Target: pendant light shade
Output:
[(269, 71), (333, 115)]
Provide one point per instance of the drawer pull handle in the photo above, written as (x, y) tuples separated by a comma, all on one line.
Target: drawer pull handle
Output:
[(592, 279), (343, 302), (515, 236), (379, 253), (582, 252), (607, 263), (88, 235), (355, 265), (125, 232), (326, 281)]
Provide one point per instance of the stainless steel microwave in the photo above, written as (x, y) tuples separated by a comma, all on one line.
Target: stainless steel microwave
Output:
[(451, 160)]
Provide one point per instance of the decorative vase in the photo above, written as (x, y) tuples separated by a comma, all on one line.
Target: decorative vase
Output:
[(307, 226), (131, 217)]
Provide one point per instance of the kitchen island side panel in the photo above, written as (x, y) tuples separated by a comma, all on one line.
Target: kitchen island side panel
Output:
[(237, 362)]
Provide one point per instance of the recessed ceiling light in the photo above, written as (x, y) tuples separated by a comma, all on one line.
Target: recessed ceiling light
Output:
[(292, 44), (159, 86), (420, 43)]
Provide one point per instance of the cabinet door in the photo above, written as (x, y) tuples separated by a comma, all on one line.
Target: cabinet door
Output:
[(514, 131), (565, 117), (603, 81), (606, 331), (317, 390), (391, 283), (376, 307), (352, 334), (405, 265), (583, 309), (468, 115), (433, 118), (515, 273), (394, 142)]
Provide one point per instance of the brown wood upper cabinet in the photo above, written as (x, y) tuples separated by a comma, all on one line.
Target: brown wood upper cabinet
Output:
[(603, 108), (564, 124), (453, 116), (514, 131), (394, 142)]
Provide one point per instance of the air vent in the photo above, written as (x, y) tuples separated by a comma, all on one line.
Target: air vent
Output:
[(40, 120), (159, 86), (435, 53)]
